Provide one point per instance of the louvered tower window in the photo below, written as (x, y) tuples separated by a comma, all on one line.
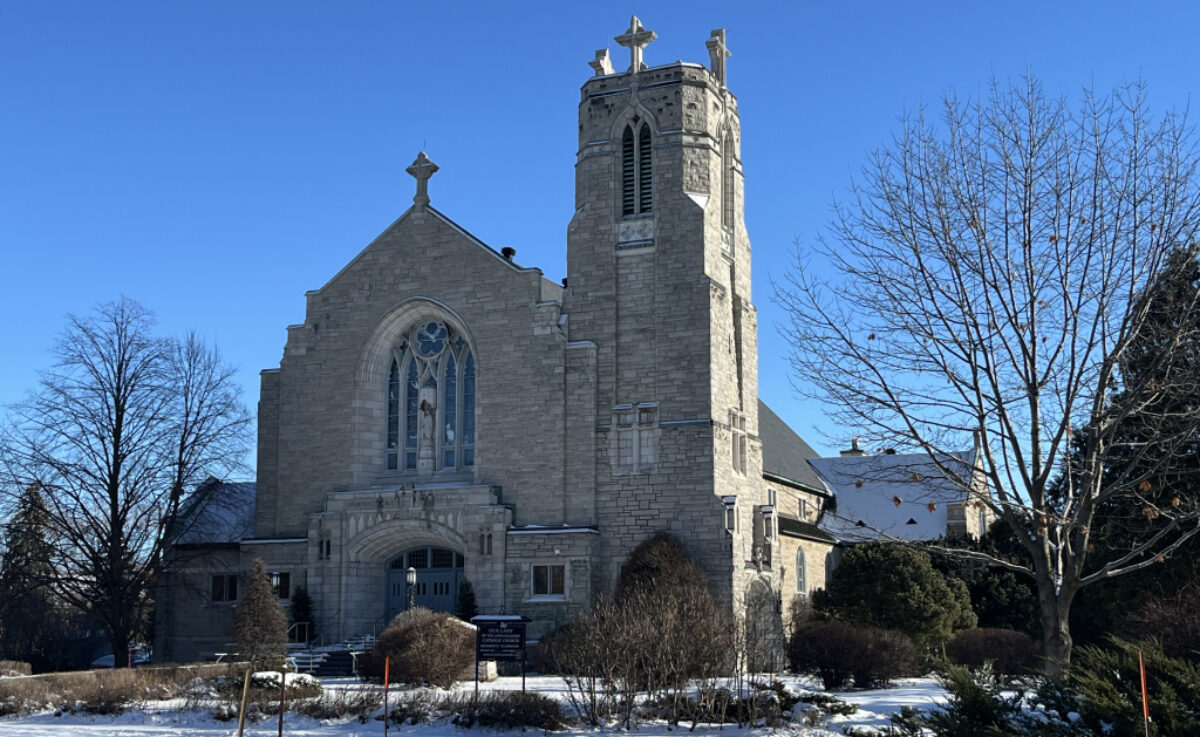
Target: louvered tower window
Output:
[(636, 173), (644, 179), (727, 211), (628, 174)]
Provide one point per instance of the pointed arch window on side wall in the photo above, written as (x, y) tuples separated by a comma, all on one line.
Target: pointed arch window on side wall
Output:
[(431, 400), (801, 573), (637, 175)]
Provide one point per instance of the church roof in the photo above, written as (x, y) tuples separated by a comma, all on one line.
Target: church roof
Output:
[(219, 513), (792, 527), (901, 495), (785, 454)]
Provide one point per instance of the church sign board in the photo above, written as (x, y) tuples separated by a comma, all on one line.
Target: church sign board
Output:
[(500, 637)]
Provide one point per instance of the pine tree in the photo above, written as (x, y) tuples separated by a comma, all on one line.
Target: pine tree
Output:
[(302, 611), (27, 614), (259, 623), (1163, 359), (466, 607)]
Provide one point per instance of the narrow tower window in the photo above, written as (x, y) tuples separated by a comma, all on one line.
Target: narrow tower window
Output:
[(645, 201), (727, 204), (637, 194), (628, 174)]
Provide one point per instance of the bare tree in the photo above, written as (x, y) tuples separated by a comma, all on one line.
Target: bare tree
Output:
[(987, 276), (118, 431)]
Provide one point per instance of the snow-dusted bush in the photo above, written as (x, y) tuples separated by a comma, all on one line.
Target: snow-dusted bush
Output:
[(506, 710), (14, 668), (342, 703)]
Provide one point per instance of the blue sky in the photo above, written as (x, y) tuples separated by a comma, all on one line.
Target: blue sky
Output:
[(215, 160)]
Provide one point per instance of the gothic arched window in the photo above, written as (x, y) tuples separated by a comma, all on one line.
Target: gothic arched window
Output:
[(636, 171), (801, 573), (431, 400)]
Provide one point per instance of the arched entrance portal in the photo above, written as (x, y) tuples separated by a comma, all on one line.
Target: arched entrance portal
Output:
[(439, 571)]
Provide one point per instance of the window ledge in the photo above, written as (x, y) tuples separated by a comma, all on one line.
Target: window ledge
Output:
[(546, 599)]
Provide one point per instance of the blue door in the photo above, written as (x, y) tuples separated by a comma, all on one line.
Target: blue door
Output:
[(439, 572)]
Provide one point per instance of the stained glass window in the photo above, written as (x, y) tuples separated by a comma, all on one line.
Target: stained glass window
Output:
[(432, 381)]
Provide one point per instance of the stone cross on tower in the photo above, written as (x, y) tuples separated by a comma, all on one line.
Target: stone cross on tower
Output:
[(421, 170), (718, 52), (636, 38)]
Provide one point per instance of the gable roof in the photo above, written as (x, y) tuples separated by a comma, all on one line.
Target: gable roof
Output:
[(785, 454), (903, 495), (219, 513)]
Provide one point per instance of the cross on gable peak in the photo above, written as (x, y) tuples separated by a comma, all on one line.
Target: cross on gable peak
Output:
[(422, 169), (636, 39)]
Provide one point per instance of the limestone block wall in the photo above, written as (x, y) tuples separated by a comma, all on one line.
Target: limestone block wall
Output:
[(189, 626), (574, 550), (367, 529), (324, 430)]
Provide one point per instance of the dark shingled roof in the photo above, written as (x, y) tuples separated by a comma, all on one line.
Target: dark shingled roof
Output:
[(785, 454), (220, 513), (793, 527)]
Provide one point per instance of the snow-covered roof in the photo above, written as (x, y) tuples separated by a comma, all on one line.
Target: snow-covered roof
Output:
[(219, 512), (902, 495)]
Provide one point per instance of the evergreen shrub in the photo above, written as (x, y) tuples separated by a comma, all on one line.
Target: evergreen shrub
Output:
[(838, 652), (895, 587), (1011, 653)]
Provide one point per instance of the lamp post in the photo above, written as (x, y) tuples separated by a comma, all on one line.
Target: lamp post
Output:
[(410, 577)]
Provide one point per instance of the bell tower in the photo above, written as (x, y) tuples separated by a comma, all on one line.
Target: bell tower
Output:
[(658, 266)]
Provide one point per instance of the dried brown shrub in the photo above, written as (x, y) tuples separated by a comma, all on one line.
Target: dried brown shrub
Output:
[(424, 647)]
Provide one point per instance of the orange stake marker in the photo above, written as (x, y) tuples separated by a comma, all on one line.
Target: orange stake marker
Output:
[(1145, 698), (387, 673)]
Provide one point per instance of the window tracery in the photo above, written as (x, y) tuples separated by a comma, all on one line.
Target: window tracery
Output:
[(431, 400)]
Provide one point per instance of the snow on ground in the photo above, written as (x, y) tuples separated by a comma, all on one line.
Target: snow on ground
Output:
[(167, 719)]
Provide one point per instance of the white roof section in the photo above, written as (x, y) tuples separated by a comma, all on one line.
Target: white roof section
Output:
[(901, 496)]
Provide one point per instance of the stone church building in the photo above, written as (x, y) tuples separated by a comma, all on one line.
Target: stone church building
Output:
[(486, 424)]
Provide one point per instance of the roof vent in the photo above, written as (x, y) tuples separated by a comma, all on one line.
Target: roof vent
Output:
[(854, 449)]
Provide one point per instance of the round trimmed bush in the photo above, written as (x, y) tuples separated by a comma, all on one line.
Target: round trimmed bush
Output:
[(424, 647), (1011, 653), (838, 652)]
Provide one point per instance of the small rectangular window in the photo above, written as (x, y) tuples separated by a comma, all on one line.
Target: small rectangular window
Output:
[(224, 587), (282, 584), (549, 580), (636, 430)]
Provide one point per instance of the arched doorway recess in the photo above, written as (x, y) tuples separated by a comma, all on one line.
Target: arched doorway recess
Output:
[(439, 572)]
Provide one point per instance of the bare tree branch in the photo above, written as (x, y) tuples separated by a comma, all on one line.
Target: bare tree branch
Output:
[(987, 275)]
